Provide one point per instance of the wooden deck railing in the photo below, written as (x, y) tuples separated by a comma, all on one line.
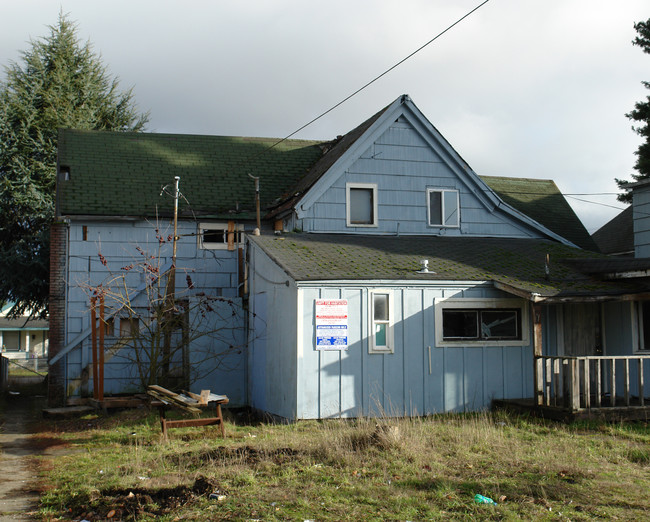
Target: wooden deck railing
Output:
[(579, 383)]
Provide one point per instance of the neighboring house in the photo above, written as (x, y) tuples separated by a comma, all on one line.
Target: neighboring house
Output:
[(388, 278), (616, 237), (22, 337)]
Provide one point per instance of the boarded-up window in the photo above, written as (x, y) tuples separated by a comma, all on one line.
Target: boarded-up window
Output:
[(129, 327), (218, 236)]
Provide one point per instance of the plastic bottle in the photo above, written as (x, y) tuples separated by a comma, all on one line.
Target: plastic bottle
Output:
[(480, 499)]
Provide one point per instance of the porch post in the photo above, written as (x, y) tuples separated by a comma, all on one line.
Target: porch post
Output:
[(538, 362)]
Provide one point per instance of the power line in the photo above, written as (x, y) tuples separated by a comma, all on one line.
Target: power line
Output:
[(594, 202), (368, 84)]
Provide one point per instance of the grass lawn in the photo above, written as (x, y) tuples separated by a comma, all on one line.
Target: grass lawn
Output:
[(118, 467)]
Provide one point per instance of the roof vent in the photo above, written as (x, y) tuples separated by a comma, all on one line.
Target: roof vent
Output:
[(425, 267)]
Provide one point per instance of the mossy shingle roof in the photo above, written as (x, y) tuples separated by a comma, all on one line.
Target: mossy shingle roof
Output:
[(122, 174), (117, 173), (516, 263), (541, 200)]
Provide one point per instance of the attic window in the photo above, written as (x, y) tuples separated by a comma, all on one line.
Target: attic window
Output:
[(361, 204), (64, 173), (443, 207), (219, 236)]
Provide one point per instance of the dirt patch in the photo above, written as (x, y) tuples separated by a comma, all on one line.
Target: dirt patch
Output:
[(134, 503)]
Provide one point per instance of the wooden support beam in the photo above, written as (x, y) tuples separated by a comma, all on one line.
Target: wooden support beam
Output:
[(101, 348), (612, 384), (587, 385), (598, 382), (626, 381), (93, 345), (536, 310), (574, 385), (641, 394)]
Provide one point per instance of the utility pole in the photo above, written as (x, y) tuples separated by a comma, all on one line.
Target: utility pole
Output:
[(170, 300)]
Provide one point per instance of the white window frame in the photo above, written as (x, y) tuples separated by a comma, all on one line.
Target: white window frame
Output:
[(390, 339), (487, 304), (369, 186), (213, 245), (442, 203)]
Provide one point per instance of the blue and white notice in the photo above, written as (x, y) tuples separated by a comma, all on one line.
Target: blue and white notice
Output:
[(331, 324)]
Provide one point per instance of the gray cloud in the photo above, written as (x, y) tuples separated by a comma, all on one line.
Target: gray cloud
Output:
[(532, 89)]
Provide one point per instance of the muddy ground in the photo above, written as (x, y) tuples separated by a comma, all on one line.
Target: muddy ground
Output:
[(20, 416)]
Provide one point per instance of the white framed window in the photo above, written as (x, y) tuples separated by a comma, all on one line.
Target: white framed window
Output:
[(361, 204), (481, 321), (443, 207), (381, 321), (214, 236)]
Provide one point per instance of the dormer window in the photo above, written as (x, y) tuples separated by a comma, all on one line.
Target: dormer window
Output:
[(443, 207), (361, 204)]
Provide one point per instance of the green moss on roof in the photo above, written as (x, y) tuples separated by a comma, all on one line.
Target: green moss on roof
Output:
[(115, 173), (519, 263), (541, 200)]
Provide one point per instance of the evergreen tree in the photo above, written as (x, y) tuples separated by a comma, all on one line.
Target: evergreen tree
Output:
[(640, 115), (58, 82)]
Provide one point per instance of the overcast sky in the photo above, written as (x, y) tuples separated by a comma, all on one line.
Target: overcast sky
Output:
[(534, 88)]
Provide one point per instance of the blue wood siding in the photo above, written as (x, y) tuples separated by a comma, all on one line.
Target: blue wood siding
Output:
[(272, 359), (354, 382), (213, 271), (404, 165)]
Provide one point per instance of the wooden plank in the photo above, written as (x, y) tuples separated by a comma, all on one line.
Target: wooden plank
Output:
[(597, 380), (556, 381), (537, 354), (100, 369), (612, 384), (181, 401), (641, 392), (574, 399), (539, 380), (587, 381), (626, 381), (93, 344), (548, 379), (188, 423)]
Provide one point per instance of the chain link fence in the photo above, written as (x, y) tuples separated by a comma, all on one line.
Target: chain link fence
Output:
[(35, 366)]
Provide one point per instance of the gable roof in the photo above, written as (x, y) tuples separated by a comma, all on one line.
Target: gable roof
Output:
[(616, 237), (541, 200), (514, 265), (122, 173), (534, 203)]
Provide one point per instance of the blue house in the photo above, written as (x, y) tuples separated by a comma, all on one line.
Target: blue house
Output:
[(387, 277)]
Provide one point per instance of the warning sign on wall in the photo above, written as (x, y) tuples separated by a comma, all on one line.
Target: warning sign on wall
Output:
[(331, 324)]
